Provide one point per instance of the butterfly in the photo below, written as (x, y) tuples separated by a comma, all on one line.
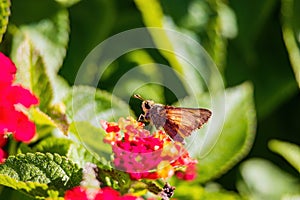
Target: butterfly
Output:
[(177, 122)]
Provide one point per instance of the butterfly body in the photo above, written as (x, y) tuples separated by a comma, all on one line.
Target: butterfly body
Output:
[(177, 122)]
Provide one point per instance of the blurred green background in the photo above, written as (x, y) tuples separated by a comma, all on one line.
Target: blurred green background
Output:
[(255, 41)]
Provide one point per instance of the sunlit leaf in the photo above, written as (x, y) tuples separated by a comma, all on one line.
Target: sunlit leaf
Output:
[(32, 71), (291, 32), (35, 189), (35, 173), (198, 192), (47, 39), (68, 3), (77, 153), (260, 179), (291, 152), (235, 139), (86, 106), (89, 104)]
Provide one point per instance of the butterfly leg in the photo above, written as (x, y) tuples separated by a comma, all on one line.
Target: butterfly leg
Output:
[(142, 118)]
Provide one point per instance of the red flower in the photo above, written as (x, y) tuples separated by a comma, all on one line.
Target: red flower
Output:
[(3, 156), (107, 193), (13, 120), (8, 70), (3, 140), (80, 193), (77, 193), (189, 174), (142, 154)]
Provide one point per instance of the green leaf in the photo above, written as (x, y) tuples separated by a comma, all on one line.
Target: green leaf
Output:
[(291, 152), (57, 112), (80, 155), (198, 192), (235, 139), (34, 173), (291, 31), (54, 195), (116, 179), (34, 189), (40, 84), (68, 3), (87, 104), (53, 145), (263, 180), (68, 148), (49, 37), (92, 138), (40, 117), (4, 14), (10, 193), (46, 123), (98, 152), (31, 71), (64, 147), (41, 48)]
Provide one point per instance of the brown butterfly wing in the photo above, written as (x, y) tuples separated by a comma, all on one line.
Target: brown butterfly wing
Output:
[(181, 122)]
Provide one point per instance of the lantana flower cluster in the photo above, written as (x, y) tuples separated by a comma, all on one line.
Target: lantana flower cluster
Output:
[(146, 155), (12, 120)]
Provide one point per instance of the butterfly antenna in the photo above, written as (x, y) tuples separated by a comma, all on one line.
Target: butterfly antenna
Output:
[(137, 96)]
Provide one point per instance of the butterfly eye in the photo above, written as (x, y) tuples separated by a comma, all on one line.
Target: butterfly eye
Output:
[(147, 105)]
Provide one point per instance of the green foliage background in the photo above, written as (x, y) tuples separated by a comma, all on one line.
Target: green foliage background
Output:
[(255, 45)]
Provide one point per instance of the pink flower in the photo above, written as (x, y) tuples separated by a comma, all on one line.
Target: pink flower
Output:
[(109, 193), (3, 140), (144, 155), (8, 70), (77, 193), (13, 120), (3, 156), (80, 193), (189, 174)]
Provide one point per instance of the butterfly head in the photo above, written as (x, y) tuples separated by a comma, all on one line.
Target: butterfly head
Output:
[(147, 105)]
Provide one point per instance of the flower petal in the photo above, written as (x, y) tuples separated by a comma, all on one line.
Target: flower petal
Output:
[(25, 129), (107, 193), (3, 140), (77, 193), (3, 156), (8, 70), (18, 94)]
